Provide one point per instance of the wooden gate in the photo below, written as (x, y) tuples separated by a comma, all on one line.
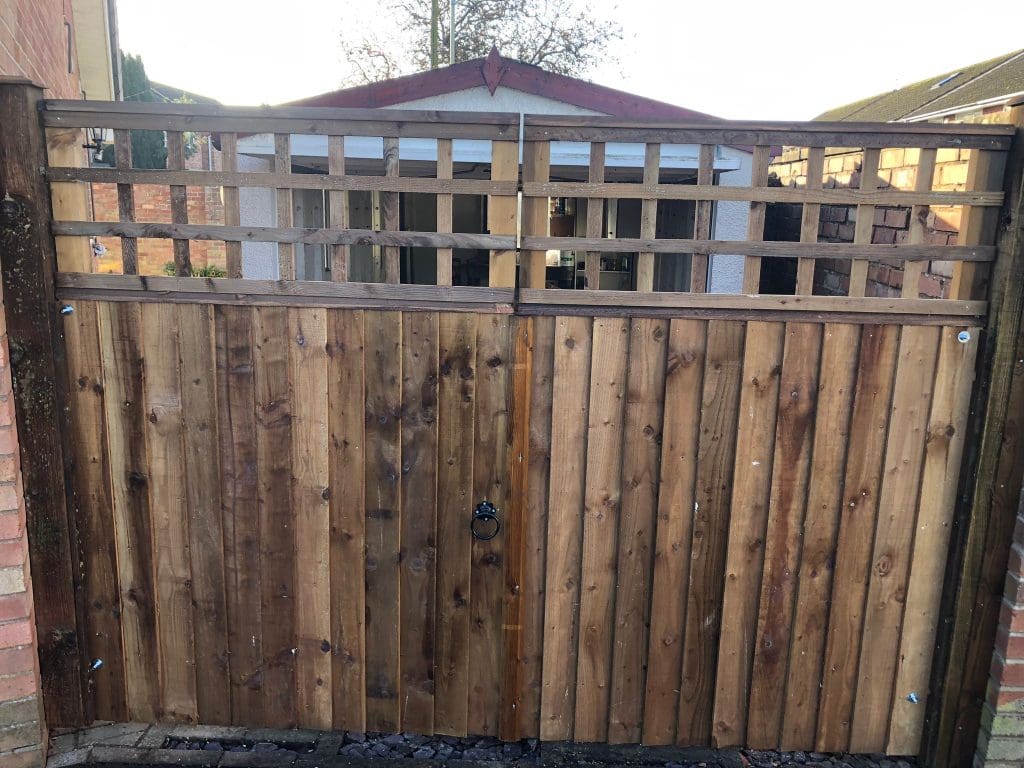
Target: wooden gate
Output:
[(725, 517)]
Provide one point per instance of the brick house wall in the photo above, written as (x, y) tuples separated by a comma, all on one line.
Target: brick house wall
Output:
[(22, 726), (34, 44), (897, 170), (153, 204)]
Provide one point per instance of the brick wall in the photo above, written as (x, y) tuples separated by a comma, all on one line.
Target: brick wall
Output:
[(1001, 743), (153, 204), (22, 728), (34, 45), (897, 170)]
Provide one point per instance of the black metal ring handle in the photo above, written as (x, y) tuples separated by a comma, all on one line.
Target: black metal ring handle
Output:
[(485, 516)]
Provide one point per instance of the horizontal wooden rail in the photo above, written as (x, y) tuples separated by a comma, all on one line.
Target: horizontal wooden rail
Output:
[(285, 180), (310, 235), (891, 197), (936, 311), (297, 120), (772, 249), (317, 293), (824, 134)]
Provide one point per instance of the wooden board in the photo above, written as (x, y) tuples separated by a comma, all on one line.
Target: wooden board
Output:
[(419, 520), (641, 457), (345, 393), (569, 418), (310, 488), (383, 461), (456, 424), (748, 520), (715, 456), (680, 436), (602, 507)]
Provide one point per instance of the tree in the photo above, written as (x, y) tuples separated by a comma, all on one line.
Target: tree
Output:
[(563, 37), (149, 148)]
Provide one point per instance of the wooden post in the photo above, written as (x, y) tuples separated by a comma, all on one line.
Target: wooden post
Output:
[(989, 484), (536, 167), (28, 260)]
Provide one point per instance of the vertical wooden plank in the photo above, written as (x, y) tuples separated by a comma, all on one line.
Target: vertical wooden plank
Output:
[(92, 485), (514, 532), (883, 611), (171, 552), (419, 522), (756, 219), (338, 208), (444, 211), (232, 214), (715, 455), (569, 417), (918, 234), (978, 223), (346, 411), (602, 504), (702, 219), (641, 455), (456, 411), (268, 539), (681, 431), (810, 218), (69, 200), (865, 226), (840, 349), (748, 520), (126, 200), (179, 202), (124, 417), (383, 361), (501, 212), (283, 164), (390, 214), (205, 524), (310, 487), (861, 481), (538, 472), (241, 502), (490, 482), (648, 218), (536, 217), (944, 444), (595, 215), (790, 472)]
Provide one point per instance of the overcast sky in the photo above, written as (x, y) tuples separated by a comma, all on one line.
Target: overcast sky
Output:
[(750, 59)]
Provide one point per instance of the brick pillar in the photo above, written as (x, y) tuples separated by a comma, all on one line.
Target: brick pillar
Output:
[(1001, 741), (22, 726)]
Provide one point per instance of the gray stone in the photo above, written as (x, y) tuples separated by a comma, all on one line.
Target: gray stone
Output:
[(379, 750), (423, 753), (264, 746), (393, 739), (67, 759), (355, 736), (213, 746)]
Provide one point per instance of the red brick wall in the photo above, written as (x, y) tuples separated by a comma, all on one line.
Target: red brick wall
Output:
[(34, 45), (22, 727), (153, 204)]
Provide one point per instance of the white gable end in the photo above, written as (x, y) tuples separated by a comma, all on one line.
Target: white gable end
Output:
[(479, 99)]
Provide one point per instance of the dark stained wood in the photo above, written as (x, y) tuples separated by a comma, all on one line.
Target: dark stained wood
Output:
[(232, 211), (179, 202), (595, 215), (641, 459), (861, 484), (126, 201), (389, 212), (681, 427), (285, 214), (383, 461), (457, 360), (345, 393), (702, 218), (38, 371), (490, 482), (203, 505), (715, 454), (419, 518), (237, 344)]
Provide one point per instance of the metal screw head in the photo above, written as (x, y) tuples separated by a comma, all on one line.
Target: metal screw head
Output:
[(912, 697), (963, 337), (67, 309)]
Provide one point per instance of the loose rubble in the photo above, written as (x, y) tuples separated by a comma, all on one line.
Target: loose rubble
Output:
[(412, 745)]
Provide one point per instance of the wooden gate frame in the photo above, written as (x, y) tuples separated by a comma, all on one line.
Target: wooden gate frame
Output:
[(29, 260)]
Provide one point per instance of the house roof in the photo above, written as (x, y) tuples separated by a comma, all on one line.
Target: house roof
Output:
[(494, 70), (961, 87), (167, 93)]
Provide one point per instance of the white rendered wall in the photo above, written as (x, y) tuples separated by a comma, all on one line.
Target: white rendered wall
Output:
[(730, 224), (257, 208)]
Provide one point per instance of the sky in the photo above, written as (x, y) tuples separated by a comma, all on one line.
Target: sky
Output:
[(739, 59)]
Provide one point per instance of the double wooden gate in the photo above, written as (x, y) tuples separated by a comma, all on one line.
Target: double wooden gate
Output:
[(724, 518)]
